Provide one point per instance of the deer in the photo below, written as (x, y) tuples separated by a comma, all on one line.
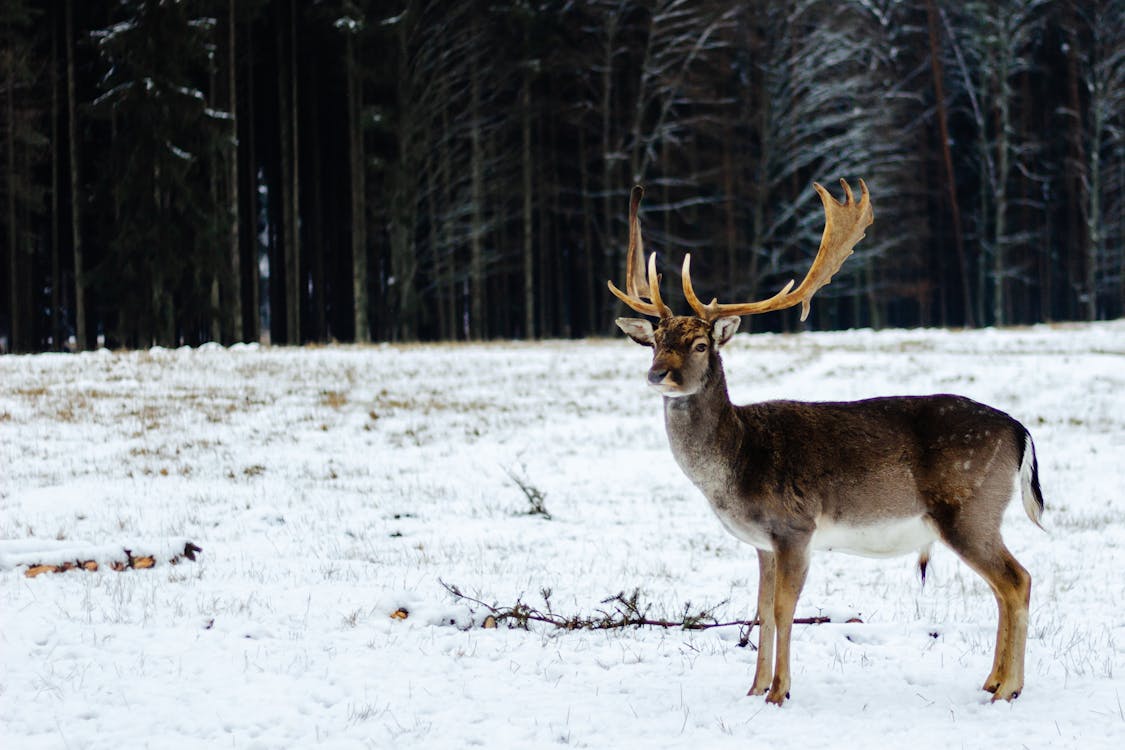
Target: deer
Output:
[(879, 477)]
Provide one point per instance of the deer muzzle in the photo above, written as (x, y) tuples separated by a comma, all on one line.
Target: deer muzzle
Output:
[(665, 374)]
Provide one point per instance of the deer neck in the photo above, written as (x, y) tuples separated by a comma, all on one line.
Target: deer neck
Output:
[(700, 428)]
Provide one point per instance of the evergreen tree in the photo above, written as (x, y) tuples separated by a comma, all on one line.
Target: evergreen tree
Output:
[(22, 195), (166, 242)]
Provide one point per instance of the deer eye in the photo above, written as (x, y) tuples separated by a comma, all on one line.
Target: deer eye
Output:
[(701, 347)]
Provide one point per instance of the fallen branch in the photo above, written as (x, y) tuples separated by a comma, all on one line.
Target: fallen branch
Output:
[(127, 561), (624, 611)]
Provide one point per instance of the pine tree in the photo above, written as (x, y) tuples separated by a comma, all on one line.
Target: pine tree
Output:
[(24, 146), (167, 246)]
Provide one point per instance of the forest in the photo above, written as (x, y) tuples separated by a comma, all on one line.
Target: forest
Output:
[(291, 172)]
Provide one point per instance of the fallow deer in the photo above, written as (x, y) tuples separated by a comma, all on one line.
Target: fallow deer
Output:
[(880, 477)]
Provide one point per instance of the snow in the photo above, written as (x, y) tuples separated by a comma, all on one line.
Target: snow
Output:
[(191, 93), (179, 152), (348, 24), (217, 114), (331, 486)]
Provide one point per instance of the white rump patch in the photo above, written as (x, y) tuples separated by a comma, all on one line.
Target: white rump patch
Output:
[(882, 539)]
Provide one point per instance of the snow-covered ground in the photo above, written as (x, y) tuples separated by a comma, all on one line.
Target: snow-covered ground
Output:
[(330, 487)]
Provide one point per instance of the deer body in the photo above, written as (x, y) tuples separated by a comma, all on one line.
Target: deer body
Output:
[(878, 477), (867, 477)]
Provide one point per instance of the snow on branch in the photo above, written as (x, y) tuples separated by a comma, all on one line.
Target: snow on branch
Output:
[(38, 556)]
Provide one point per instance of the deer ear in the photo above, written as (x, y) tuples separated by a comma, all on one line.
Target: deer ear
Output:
[(723, 328), (638, 329)]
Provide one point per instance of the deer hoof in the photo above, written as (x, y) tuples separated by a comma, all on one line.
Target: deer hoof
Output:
[(776, 699), (777, 694), (1006, 693)]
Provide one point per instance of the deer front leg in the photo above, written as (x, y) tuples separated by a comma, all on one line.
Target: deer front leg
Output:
[(792, 565), (767, 627)]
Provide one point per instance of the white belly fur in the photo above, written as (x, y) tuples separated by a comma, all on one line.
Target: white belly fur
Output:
[(884, 539)]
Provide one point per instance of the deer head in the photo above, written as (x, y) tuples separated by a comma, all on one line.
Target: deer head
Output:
[(685, 348)]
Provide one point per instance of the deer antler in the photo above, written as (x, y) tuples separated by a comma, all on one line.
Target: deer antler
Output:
[(637, 285), (844, 225)]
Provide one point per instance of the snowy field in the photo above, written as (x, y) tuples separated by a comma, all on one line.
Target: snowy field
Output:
[(330, 487)]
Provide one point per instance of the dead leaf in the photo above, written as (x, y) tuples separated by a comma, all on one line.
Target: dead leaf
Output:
[(39, 569), (143, 562), (400, 614), (489, 622)]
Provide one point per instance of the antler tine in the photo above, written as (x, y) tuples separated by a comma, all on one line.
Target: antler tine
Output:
[(844, 225), (713, 309), (689, 292), (637, 284), (654, 288)]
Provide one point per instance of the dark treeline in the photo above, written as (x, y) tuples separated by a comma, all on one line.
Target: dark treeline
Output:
[(243, 170)]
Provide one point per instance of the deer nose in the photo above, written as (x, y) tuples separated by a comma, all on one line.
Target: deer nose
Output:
[(657, 374)]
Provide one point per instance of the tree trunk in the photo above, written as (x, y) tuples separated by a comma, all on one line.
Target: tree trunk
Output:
[(1075, 165), (590, 289), (234, 297), (358, 194), (403, 311), (293, 256), (613, 253), (528, 224), (476, 229), (453, 293), (288, 321), (17, 324), (252, 319), (75, 206), (56, 268), (213, 312), (314, 246), (947, 159), (1000, 223), (433, 232), (283, 208), (216, 170), (546, 284), (986, 179), (760, 193), (1094, 216)]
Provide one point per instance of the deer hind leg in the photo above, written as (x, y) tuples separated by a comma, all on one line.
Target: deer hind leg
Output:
[(791, 568), (1011, 584), (767, 624), (1015, 586)]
